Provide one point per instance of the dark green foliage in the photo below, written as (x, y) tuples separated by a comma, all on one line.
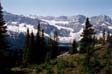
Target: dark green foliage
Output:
[(49, 49), (87, 46), (62, 65), (55, 45), (74, 48), (35, 50), (43, 47), (3, 43), (49, 69), (91, 65), (87, 40), (108, 54), (104, 37), (108, 37), (26, 50), (52, 47), (102, 40), (4, 58), (32, 47)]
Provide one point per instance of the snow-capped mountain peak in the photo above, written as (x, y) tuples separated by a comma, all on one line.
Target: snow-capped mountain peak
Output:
[(68, 27)]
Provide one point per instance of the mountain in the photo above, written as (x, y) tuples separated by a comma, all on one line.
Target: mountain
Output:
[(68, 27)]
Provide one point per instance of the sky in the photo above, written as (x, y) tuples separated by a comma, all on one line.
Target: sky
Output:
[(58, 7)]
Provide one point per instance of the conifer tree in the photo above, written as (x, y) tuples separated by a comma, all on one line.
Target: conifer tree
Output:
[(108, 54), (26, 49), (37, 50), (87, 37), (32, 47), (49, 49), (32, 40), (108, 37), (86, 46), (3, 44), (104, 37), (74, 48), (55, 49), (43, 47)]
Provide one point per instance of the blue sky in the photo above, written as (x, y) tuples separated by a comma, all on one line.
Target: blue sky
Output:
[(58, 7)]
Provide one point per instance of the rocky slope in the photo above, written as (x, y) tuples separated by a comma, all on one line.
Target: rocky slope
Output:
[(68, 27)]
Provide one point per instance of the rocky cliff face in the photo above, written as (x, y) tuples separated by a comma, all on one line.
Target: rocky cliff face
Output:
[(68, 27)]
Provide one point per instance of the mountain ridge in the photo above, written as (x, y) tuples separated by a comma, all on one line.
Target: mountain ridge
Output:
[(68, 27)]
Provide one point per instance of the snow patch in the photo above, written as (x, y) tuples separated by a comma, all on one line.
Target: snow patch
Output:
[(23, 28), (83, 24), (14, 22), (53, 23), (73, 36), (103, 24), (110, 27)]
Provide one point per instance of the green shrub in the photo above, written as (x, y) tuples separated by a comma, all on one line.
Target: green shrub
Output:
[(62, 65)]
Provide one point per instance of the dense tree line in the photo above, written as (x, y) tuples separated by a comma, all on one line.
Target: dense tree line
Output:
[(37, 50), (88, 45), (5, 52), (3, 44)]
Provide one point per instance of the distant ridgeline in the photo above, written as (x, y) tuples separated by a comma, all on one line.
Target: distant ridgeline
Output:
[(68, 28)]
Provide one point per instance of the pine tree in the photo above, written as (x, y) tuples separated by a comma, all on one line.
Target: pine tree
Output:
[(87, 37), (87, 46), (32, 47), (55, 49), (104, 37), (32, 40), (74, 48), (37, 51), (43, 47), (26, 49), (108, 54), (108, 37), (3, 43), (49, 49)]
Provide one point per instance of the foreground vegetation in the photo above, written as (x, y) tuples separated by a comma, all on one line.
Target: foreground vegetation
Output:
[(40, 56), (71, 64)]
